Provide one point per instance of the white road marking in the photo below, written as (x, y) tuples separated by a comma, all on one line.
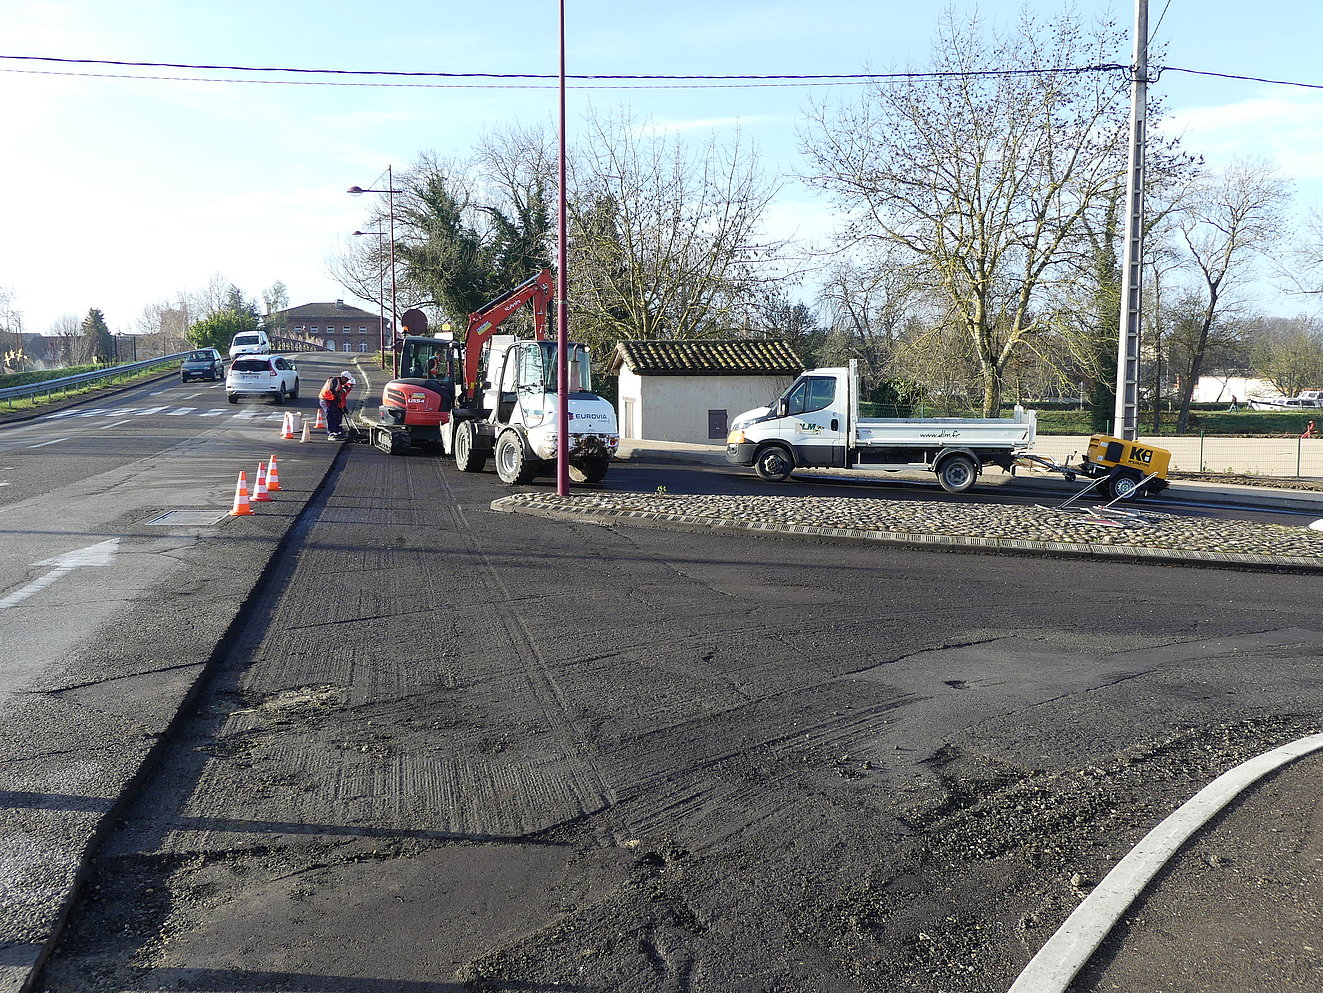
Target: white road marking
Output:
[(115, 425), (214, 412), (180, 410), (100, 554), (150, 410), (53, 441)]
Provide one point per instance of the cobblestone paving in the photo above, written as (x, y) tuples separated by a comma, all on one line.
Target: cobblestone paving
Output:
[(1134, 533)]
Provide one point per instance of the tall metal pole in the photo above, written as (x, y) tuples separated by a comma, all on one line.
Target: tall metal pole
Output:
[(381, 301), (562, 336), (394, 309), (1127, 344)]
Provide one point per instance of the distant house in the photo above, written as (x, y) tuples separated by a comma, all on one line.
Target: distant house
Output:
[(338, 326), (688, 391)]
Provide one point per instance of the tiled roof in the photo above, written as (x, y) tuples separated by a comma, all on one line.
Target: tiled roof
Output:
[(707, 357), (333, 311)]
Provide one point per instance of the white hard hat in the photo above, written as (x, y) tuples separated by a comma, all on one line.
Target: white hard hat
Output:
[(346, 375)]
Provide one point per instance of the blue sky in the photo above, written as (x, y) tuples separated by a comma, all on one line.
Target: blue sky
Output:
[(120, 192)]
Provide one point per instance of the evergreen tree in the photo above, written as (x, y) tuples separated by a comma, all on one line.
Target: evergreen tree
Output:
[(98, 342)]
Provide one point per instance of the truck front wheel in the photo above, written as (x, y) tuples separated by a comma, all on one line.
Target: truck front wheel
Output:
[(513, 463), (468, 456), (774, 464), (957, 473)]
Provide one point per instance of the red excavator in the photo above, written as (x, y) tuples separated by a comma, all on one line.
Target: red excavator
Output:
[(436, 378)]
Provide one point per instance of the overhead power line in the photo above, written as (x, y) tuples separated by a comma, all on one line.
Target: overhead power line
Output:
[(528, 80)]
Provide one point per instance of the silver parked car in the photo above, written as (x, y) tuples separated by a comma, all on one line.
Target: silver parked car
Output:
[(262, 375)]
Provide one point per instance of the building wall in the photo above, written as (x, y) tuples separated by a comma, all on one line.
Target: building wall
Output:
[(1221, 389), (347, 332), (680, 408)]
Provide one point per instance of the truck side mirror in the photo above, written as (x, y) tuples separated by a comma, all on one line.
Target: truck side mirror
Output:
[(782, 408)]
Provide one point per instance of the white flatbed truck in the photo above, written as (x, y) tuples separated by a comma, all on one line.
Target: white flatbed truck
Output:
[(816, 423)]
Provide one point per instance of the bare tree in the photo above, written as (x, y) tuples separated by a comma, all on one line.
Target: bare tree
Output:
[(1300, 269), (985, 180), (165, 324), (1233, 217), (12, 351), (661, 231), (1288, 352), (67, 330)]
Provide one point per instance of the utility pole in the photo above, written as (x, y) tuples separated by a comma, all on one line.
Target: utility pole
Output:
[(1127, 343)]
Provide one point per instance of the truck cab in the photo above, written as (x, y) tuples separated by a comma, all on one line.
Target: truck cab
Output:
[(816, 423), (519, 407)]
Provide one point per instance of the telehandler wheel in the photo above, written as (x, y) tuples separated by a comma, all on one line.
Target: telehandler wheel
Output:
[(589, 470), (468, 456), (774, 464), (1123, 484), (513, 463), (957, 473)]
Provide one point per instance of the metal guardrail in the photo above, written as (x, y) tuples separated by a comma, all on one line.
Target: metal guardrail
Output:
[(48, 387)]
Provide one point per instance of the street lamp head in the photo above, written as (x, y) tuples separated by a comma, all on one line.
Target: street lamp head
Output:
[(378, 233), (356, 190)]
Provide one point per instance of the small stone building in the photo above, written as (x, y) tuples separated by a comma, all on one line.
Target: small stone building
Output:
[(689, 391)]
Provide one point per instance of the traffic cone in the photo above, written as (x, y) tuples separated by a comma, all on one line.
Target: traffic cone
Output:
[(260, 492), (321, 420), (287, 429), (307, 429), (273, 475), (241, 505)]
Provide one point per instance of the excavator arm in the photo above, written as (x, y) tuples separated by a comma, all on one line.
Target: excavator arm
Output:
[(539, 291)]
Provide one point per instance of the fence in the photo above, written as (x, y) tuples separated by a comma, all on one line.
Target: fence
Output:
[(1285, 457), (49, 387)]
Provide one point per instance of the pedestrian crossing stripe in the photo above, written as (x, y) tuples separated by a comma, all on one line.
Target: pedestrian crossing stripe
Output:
[(247, 414)]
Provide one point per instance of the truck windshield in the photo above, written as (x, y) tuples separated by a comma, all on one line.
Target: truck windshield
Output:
[(810, 393), (537, 368), (427, 360)]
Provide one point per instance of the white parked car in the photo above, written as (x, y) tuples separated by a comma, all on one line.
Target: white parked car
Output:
[(250, 343), (262, 375)]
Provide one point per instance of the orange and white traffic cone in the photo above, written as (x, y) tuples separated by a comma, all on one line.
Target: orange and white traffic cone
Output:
[(272, 476), (307, 432), (321, 421), (241, 505), (260, 492), (287, 429)]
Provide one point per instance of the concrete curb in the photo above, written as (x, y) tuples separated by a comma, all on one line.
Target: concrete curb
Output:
[(1136, 554), (1070, 948)]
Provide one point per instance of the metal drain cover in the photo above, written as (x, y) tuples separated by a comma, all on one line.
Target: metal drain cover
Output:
[(190, 518)]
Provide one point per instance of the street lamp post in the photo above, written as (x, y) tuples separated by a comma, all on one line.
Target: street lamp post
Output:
[(381, 295), (390, 192)]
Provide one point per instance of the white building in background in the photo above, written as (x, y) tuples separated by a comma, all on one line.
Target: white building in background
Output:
[(1224, 389), (689, 391)]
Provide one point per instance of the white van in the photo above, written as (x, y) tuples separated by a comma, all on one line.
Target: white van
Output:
[(250, 343)]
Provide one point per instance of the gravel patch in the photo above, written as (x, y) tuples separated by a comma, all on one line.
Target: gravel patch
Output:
[(1136, 532)]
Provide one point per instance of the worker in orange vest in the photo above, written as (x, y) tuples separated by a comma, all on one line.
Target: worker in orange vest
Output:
[(334, 401)]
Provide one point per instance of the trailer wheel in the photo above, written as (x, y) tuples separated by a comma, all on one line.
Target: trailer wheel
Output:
[(513, 463), (468, 456), (589, 470), (957, 473), (774, 464), (1123, 484)]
